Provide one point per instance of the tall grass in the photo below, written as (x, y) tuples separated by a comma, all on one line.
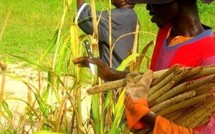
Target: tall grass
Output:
[(66, 84)]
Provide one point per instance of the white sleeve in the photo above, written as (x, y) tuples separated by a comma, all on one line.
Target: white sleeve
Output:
[(79, 12)]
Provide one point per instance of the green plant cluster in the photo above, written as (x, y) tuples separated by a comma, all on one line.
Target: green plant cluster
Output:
[(42, 34)]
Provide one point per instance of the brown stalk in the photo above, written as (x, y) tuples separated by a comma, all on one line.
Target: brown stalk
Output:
[(206, 70), (188, 103), (3, 73), (166, 80), (116, 84), (186, 86), (168, 72), (161, 91), (172, 101)]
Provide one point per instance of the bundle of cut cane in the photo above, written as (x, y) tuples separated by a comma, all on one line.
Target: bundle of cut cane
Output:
[(183, 95)]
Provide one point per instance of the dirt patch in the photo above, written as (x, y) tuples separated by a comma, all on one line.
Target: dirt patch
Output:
[(19, 82)]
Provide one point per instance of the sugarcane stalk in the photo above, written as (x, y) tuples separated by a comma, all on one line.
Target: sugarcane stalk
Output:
[(168, 72), (188, 114), (204, 117), (157, 76), (118, 83), (207, 119), (184, 73), (204, 89), (193, 72), (189, 85), (179, 75), (200, 115), (174, 100), (174, 115), (188, 103), (109, 86), (206, 70), (161, 91), (166, 80)]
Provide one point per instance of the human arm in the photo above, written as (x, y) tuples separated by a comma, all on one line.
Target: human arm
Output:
[(84, 17), (104, 71), (138, 113)]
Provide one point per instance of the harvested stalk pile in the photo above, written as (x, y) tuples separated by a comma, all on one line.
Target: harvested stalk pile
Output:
[(183, 95)]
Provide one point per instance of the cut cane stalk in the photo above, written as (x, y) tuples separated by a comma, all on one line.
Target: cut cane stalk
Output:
[(188, 103), (118, 83), (161, 91), (166, 80), (168, 72), (206, 70), (184, 73), (174, 115), (110, 85), (188, 114), (204, 89), (193, 73), (186, 86), (178, 76), (199, 115), (177, 94), (172, 101)]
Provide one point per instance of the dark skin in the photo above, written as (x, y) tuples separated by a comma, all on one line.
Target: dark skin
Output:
[(182, 14), (104, 71), (184, 17)]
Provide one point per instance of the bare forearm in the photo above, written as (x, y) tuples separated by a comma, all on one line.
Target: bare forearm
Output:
[(118, 75), (159, 125), (149, 119), (111, 74)]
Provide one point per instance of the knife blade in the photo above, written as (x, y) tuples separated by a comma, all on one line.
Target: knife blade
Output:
[(90, 55)]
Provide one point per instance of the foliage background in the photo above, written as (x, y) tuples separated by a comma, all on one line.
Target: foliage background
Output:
[(31, 24), (31, 28)]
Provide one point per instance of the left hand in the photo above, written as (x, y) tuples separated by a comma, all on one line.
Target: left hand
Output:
[(104, 71), (140, 88)]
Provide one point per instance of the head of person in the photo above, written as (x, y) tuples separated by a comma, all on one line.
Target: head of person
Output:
[(122, 3), (169, 11)]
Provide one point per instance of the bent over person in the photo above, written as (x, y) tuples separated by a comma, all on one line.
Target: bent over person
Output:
[(182, 39), (123, 26)]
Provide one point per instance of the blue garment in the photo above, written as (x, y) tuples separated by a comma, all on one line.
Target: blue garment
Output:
[(124, 22)]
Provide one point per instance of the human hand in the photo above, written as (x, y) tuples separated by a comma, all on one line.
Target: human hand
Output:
[(84, 61), (138, 89), (104, 71)]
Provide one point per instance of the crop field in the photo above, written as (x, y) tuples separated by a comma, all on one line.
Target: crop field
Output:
[(38, 41)]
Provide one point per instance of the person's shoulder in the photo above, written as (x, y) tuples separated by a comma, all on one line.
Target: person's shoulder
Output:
[(123, 12)]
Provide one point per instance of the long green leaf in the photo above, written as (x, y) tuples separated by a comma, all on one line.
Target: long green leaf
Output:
[(127, 61), (118, 114), (7, 110)]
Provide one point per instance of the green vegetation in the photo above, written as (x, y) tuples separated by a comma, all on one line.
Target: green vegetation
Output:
[(30, 27), (42, 34), (32, 24)]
